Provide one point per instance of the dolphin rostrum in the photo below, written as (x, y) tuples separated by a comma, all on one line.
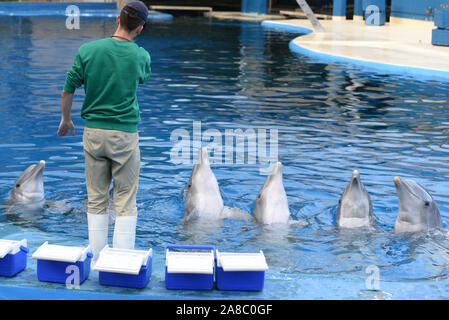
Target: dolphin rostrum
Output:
[(29, 187), (354, 207), (417, 209), (271, 205)]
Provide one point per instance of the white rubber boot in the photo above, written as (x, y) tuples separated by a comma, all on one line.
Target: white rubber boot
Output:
[(98, 233), (125, 232)]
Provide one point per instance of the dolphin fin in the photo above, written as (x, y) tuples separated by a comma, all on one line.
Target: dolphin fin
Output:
[(58, 207), (299, 223), (236, 214)]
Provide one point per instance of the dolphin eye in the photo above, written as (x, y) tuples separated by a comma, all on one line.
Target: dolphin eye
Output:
[(18, 185), (339, 201), (427, 203), (189, 185)]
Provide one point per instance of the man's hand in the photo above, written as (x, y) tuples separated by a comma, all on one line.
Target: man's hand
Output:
[(66, 126)]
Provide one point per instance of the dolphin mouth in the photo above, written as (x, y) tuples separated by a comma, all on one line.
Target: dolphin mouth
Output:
[(37, 171), (39, 168), (355, 180), (29, 186), (203, 157), (275, 174), (403, 185), (277, 170), (400, 186), (397, 181)]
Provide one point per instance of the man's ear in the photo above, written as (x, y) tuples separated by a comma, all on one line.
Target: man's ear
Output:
[(139, 29), (118, 20)]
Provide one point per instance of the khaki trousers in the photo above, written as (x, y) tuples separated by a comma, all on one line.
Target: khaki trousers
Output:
[(111, 155)]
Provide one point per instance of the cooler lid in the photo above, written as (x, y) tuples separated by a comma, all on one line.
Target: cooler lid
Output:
[(190, 262), (60, 253), (127, 261), (10, 246), (241, 261)]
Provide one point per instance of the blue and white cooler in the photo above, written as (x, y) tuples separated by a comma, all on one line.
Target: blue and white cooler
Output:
[(189, 267), (62, 264), (13, 257), (240, 271), (124, 267)]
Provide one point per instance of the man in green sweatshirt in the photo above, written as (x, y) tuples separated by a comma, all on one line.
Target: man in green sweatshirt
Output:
[(110, 70)]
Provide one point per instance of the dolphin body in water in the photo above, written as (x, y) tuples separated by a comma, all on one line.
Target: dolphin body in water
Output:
[(27, 197), (203, 196), (271, 205), (26, 200), (204, 199), (417, 209), (354, 207)]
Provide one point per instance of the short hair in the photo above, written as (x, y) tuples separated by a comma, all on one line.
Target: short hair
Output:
[(130, 21)]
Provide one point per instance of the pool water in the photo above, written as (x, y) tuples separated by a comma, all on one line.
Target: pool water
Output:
[(331, 118)]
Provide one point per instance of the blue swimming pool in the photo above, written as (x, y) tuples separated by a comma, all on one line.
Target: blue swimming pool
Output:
[(331, 118)]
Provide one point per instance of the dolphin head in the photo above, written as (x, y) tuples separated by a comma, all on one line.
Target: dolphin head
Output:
[(417, 209), (271, 205), (29, 187), (203, 197), (354, 207)]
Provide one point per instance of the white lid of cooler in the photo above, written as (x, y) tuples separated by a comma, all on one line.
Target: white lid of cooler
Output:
[(190, 262), (10, 246), (241, 261), (127, 261), (60, 253)]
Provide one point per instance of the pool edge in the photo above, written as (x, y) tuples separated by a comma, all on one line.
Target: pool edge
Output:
[(385, 68), (24, 293)]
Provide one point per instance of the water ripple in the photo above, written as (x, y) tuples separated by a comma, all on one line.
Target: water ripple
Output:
[(331, 119)]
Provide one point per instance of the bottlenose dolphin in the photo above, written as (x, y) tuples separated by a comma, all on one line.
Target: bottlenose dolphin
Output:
[(27, 198), (417, 209), (354, 207), (203, 197), (271, 205), (29, 187)]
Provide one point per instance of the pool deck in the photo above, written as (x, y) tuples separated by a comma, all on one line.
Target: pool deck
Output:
[(403, 43)]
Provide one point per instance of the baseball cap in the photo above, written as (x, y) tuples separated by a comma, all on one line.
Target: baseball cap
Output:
[(137, 8)]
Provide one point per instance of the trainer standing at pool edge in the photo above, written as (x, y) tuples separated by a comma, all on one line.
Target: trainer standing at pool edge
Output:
[(110, 70)]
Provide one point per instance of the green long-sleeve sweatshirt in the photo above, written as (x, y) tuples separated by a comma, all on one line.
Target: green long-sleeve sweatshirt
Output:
[(110, 71)]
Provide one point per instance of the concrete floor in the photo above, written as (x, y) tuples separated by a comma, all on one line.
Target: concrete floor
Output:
[(403, 42)]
